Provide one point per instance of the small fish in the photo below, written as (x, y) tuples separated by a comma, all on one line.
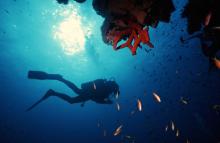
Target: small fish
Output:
[(104, 133), (94, 86), (128, 137), (216, 63), (177, 133), (177, 71), (207, 19), (139, 105), (132, 112), (118, 130), (98, 125), (118, 106), (116, 95), (172, 126), (166, 128), (216, 107), (183, 100), (157, 97), (216, 28), (187, 141)]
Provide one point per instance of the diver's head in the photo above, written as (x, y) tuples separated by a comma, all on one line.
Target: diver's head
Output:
[(114, 88)]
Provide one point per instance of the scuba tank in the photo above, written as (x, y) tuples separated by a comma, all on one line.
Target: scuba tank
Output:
[(93, 85)]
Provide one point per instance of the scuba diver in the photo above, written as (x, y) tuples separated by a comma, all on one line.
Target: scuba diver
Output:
[(99, 90)]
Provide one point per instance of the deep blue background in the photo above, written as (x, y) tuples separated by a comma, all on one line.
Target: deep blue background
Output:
[(171, 69)]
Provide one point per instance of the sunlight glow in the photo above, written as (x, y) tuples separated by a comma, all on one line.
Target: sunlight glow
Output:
[(70, 32), (71, 35)]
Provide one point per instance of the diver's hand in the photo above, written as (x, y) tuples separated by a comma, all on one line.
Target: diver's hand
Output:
[(104, 101), (82, 105), (108, 101)]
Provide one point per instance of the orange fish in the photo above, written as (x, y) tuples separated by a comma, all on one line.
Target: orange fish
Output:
[(217, 63), (139, 105), (157, 97), (118, 130), (207, 19)]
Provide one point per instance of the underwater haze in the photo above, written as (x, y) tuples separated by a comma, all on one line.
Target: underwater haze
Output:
[(66, 39)]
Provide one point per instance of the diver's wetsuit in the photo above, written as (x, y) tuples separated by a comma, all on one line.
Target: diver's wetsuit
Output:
[(98, 90)]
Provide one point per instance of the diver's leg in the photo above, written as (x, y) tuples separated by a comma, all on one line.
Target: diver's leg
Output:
[(71, 100), (40, 75), (62, 96), (70, 85), (48, 94), (43, 75)]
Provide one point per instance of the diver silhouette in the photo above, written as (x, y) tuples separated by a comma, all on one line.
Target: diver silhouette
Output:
[(99, 90)]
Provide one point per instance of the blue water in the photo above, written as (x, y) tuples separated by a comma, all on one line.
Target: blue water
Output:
[(172, 70)]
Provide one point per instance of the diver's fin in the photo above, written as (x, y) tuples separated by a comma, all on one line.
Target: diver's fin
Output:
[(37, 75), (42, 75), (49, 92), (35, 104)]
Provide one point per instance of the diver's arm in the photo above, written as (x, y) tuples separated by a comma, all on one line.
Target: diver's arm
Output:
[(104, 101), (108, 101)]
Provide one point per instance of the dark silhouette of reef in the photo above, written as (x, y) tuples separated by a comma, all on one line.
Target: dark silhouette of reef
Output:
[(142, 12), (205, 16), (196, 11)]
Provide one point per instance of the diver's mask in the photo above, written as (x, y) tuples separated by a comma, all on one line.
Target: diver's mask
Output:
[(115, 87)]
